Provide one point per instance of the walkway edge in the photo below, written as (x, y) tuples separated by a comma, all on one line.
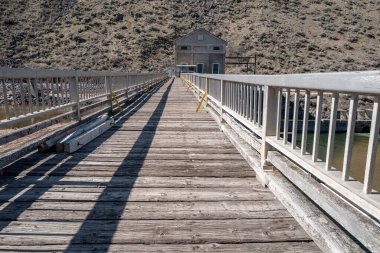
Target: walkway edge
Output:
[(355, 222), (326, 234)]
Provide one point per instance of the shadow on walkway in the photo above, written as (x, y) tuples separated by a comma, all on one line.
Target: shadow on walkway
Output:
[(88, 233), (19, 192)]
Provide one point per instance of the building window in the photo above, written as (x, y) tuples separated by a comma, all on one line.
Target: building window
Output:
[(184, 47), (200, 37), (215, 68), (200, 68), (216, 48)]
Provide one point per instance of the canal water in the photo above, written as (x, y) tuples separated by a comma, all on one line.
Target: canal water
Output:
[(359, 154)]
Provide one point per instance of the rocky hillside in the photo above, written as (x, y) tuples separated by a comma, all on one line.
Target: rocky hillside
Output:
[(287, 35)]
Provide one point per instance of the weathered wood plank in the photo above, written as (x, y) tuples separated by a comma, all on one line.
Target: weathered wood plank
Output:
[(136, 194), (248, 206), (150, 182), (121, 156), (161, 171), (67, 211), (284, 247), (152, 231), (107, 149)]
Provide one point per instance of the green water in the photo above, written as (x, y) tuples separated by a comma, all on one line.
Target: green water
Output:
[(359, 154)]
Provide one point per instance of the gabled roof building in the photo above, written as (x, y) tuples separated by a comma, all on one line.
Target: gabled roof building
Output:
[(200, 51)]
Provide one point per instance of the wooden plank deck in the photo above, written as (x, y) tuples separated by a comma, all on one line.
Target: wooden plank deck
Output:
[(163, 179)]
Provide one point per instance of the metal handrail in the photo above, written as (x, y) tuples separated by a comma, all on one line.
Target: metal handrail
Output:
[(50, 73), (29, 93), (262, 103), (362, 82)]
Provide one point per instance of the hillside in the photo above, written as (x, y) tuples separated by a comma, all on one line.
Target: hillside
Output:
[(134, 35)]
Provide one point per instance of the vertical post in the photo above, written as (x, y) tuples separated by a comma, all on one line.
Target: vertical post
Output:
[(53, 93), (206, 89), (74, 96), (279, 112), (240, 98), (85, 87), (126, 86), (295, 119), (332, 127), (22, 91), (269, 120), (349, 138), (227, 93), (255, 104), (286, 117), (317, 127), (260, 106), (57, 97), (250, 103), (62, 81), (45, 89), (14, 96), (30, 95), (38, 91), (50, 88), (222, 99), (372, 148), (233, 96), (66, 88), (243, 100), (108, 85), (305, 126), (247, 104), (7, 114)]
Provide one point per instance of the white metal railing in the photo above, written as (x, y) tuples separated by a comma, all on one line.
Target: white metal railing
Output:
[(26, 94), (277, 110)]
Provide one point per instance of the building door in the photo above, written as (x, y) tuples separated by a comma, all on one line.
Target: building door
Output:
[(200, 68), (215, 68)]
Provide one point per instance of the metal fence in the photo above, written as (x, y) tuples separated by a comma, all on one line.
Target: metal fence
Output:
[(282, 111), (26, 94)]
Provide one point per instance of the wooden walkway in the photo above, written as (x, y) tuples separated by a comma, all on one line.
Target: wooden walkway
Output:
[(163, 179)]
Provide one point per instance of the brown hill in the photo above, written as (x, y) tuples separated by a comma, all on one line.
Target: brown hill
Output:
[(288, 35)]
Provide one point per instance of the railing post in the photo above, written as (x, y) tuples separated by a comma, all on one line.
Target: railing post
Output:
[(222, 99), (372, 148), (108, 84), (74, 96), (5, 92), (206, 90), (269, 120), (206, 85), (349, 137)]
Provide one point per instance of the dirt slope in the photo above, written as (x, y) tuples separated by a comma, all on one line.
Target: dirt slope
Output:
[(288, 35)]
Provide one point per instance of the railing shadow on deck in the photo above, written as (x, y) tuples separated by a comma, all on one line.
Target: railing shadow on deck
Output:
[(86, 233), (24, 194)]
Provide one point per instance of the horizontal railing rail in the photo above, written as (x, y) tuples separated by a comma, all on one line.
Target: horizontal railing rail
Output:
[(27, 94), (288, 112)]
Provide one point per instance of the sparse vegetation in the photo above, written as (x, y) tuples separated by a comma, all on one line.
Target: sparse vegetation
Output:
[(288, 36)]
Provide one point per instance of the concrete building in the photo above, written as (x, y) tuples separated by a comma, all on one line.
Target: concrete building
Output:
[(200, 51)]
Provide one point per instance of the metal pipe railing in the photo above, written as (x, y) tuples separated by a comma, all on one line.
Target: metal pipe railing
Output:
[(283, 110), (27, 94)]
